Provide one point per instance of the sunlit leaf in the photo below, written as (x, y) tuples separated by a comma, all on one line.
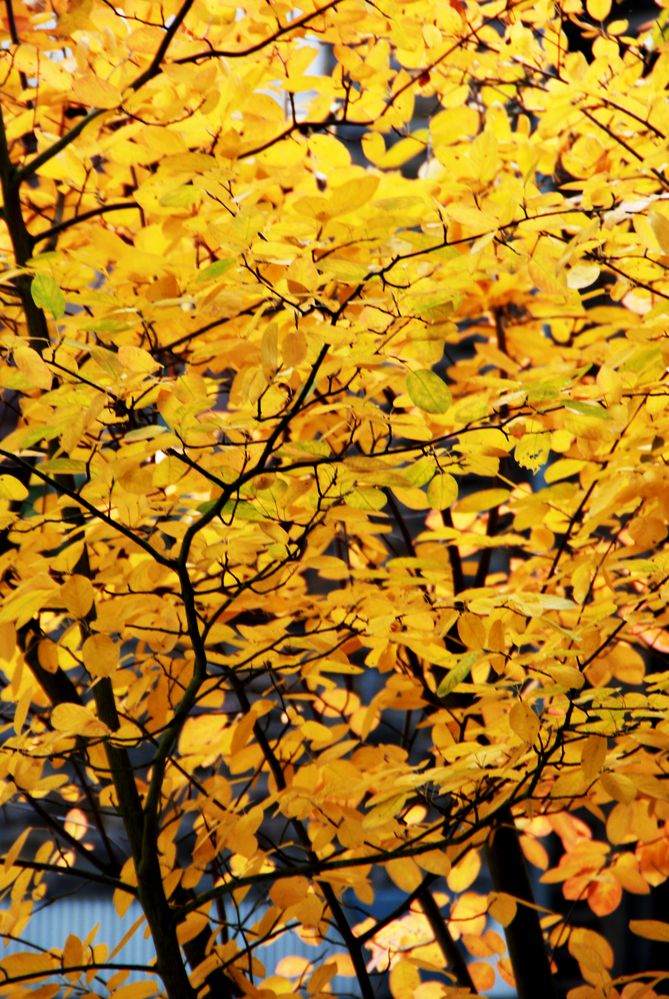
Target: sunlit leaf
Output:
[(12, 488), (46, 293), (428, 391), (100, 655), (458, 673)]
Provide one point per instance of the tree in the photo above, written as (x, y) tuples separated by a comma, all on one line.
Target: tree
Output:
[(335, 493)]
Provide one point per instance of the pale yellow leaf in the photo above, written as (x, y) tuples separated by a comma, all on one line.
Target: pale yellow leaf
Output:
[(75, 718), (33, 367), (660, 226), (404, 979)]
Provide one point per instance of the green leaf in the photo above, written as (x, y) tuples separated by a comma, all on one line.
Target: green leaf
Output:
[(587, 409), (428, 391), (34, 435), (366, 498), (420, 471), (63, 465), (457, 674), (46, 294), (442, 491), (107, 360), (106, 326), (145, 433), (181, 197), (215, 270), (237, 509)]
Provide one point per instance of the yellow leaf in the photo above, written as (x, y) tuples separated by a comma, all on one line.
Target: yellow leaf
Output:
[(428, 391), (16, 847), (76, 718), (269, 351), (435, 862), (404, 979), (8, 644), (374, 147), (294, 349), (137, 360), (404, 873), (648, 532), (33, 367), (483, 499), (22, 605), (598, 9), (471, 630), (100, 655), (502, 907), (660, 226), (465, 872), (191, 926), (535, 852), (26, 963), (620, 787), (442, 491), (593, 754), (73, 955), (532, 450), (293, 966), (77, 594), (320, 978), (122, 902), (353, 194), (524, 722), (47, 654), (469, 913), (21, 711), (289, 891), (94, 92), (582, 275), (12, 489), (591, 949), (76, 823), (496, 636)]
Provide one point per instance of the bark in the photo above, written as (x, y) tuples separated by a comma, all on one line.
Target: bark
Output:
[(524, 936)]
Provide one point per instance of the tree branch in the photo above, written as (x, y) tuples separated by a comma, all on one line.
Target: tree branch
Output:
[(56, 230)]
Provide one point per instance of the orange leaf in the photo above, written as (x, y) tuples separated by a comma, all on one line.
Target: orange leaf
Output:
[(651, 929), (604, 896), (483, 975)]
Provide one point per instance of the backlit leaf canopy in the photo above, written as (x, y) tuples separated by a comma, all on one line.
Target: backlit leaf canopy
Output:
[(334, 495)]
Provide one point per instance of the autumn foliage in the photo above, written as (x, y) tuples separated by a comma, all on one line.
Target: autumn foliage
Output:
[(334, 492)]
